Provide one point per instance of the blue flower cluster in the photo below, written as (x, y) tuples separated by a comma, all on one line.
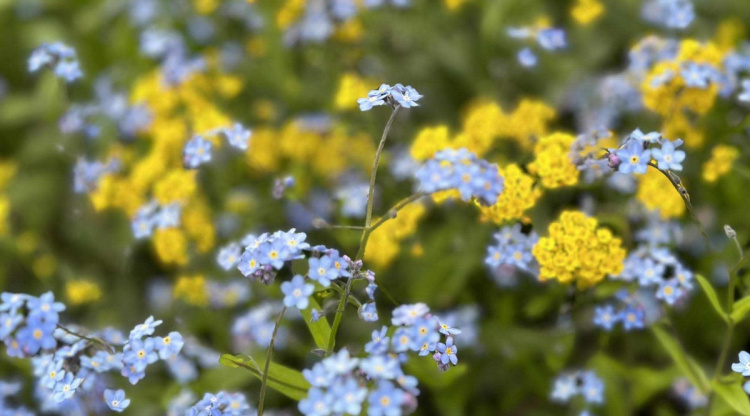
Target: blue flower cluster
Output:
[(549, 39), (267, 253), (584, 383), (86, 174), (155, 216), (58, 56), (395, 96), (638, 151), (169, 48), (513, 250), (8, 390), (66, 363), (689, 394), (463, 171), (638, 309), (671, 14), (340, 383), (221, 404), (652, 264), (255, 327), (197, 150)]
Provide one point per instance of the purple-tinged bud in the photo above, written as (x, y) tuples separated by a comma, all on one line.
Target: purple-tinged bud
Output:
[(614, 160)]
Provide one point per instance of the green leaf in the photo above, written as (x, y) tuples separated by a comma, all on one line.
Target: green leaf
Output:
[(708, 289), (740, 309), (321, 329), (734, 395), (684, 363), (285, 380)]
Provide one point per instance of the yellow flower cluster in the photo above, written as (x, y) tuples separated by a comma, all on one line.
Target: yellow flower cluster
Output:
[(577, 250), (657, 194), (384, 242), (7, 171), (673, 98), (205, 6), (351, 88), (519, 195), (720, 163), (552, 161), (484, 123), (326, 154), (191, 290), (586, 11), (453, 5), (290, 12), (80, 292)]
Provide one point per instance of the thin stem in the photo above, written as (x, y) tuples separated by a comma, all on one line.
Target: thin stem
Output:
[(267, 365), (388, 216), (339, 314), (677, 184), (375, 163), (90, 339)]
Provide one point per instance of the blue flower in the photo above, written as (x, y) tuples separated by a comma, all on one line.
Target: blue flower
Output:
[(317, 403), (565, 387), (667, 157), (297, 292), (605, 317), (249, 263), (66, 387), (365, 104), (406, 96), (322, 270), (340, 263), (12, 301), (68, 70), (229, 256), (380, 367), (146, 328), (8, 323), (592, 388), (632, 318), (551, 39), (527, 58), (116, 400), (402, 339), (448, 352), (275, 253), (45, 308), (447, 330), (697, 75), (368, 312), (349, 397), (36, 335), (409, 314), (652, 137), (744, 95), (669, 291), (379, 343), (318, 376), (633, 158), (743, 367), (237, 136), (386, 400), (340, 363), (651, 272), (139, 354), (197, 152), (169, 346)]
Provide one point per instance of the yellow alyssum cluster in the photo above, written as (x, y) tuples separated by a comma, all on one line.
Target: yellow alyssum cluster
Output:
[(191, 290), (80, 292), (657, 193), (720, 163), (384, 243), (351, 88), (483, 125), (577, 250), (586, 11), (327, 154), (552, 163), (519, 195)]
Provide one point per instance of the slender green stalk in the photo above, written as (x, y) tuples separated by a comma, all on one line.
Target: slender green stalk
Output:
[(269, 355), (337, 319), (94, 340), (375, 164), (390, 215)]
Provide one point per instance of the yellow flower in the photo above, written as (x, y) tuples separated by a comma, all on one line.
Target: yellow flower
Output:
[(552, 161), (289, 13), (178, 186), (586, 11), (383, 245), (576, 250), (351, 88), (44, 266), (205, 6), (197, 222), (519, 195), (351, 30), (527, 122), (428, 141), (480, 127), (454, 4), (669, 203), (720, 163), (4, 215), (192, 290), (171, 246), (79, 292)]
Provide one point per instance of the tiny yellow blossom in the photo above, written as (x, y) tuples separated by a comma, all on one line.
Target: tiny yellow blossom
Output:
[(192, 290), (519, 195), (552, 161), (171, 246), (669, 203), (80, 292), (720, 163), (576, 250), (178, 185), (586, 11)]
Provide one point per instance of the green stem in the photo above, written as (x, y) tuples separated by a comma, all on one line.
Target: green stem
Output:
[(375, 163), (267, 365), (107, 345), (390, 215), (337, 319)]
